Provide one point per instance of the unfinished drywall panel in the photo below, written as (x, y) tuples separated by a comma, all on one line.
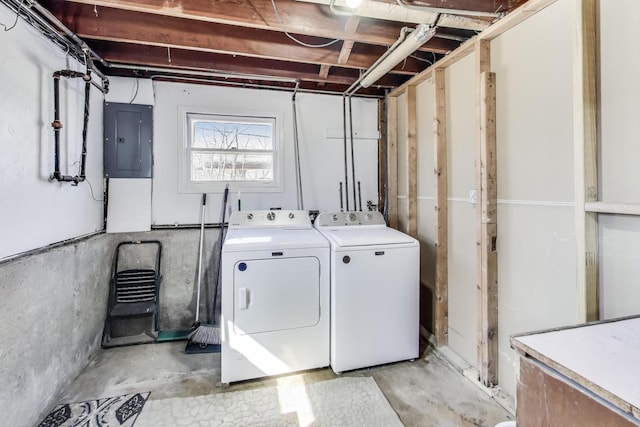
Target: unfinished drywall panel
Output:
[(619, 241), (536, 231), (462, 145), (37, 212), (403, 164), (619, 153), (425, 112), (619, 94), (53, 306)]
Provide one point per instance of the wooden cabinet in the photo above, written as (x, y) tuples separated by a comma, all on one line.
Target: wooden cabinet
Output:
[(587, 375)]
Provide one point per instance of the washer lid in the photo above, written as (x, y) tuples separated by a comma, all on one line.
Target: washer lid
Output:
[(367, 236), (255, 239)]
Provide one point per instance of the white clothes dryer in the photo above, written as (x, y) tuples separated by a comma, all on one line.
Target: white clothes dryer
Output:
[(275, 295), (375, 287)]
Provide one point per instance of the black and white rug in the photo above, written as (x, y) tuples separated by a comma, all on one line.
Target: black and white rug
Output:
[(119, 411)]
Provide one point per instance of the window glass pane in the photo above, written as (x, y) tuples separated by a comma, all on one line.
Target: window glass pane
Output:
[(207, 166), (230, 135)]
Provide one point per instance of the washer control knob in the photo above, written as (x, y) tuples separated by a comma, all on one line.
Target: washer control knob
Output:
[(249, 216), (334, 217), (346, 259), (291, 215), (271, 216), (368, 217), (353, 217)]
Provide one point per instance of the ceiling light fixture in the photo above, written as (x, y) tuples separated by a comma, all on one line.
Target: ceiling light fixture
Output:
[(417, 38), (353, 4)]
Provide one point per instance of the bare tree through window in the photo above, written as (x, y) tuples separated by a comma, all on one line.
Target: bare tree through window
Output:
[(223, 149)]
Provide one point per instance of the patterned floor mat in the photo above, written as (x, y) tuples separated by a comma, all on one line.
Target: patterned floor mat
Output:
[(338, 402), (119, 411)]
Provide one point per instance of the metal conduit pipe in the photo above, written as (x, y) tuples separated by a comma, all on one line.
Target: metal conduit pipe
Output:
[(204, 73), (296, 147), (403, 35), (75, 44), (345, 147), (57, 125), (450, 11), (353, 160)]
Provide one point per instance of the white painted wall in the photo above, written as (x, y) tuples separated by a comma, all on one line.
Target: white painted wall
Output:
[(536, 234), (36, 212), (462, 148), (619, 154), (321, 158)]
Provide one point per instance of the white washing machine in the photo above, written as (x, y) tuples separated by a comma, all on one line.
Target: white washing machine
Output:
[(375, 287), (275, 295)]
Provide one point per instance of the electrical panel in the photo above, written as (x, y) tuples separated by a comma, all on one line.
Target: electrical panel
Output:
[(128, 136)]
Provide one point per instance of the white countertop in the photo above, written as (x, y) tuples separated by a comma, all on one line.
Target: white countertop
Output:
[(603, 357)]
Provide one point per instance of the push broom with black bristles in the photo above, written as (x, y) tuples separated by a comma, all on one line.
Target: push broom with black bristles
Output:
[(204, 335)]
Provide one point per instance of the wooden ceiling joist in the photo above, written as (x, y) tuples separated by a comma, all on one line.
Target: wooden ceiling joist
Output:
[(295, 17), (133, 27), (133, 54)]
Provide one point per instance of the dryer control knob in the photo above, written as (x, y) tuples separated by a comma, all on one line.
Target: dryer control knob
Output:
[(334, 217), (353, 217), (291, 215), (346, 259), (271, 216), (368, 217), (249, 216)]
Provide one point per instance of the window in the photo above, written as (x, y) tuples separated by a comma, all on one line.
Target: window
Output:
[(242, 150)]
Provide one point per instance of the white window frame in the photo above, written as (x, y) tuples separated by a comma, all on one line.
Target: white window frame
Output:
[(187, 185)]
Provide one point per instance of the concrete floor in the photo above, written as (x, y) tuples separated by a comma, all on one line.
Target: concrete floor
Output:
[(426, 392)]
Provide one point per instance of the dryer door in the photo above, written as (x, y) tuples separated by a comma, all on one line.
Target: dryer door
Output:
[(276, 294)]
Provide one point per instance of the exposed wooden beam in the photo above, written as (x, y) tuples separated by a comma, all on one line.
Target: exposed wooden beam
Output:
[(140, 55), (471, 5), (442, 211), (392, 160), (488, 270), (585, 118), (523, 12), (324, 71), (295, 17), (343, 58), (350, 28), (412, 162), (526, 10), (382, 154), (156, 30)]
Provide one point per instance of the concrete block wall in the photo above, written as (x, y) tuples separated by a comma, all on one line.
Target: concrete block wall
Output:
[(54, 306), (50, 324)]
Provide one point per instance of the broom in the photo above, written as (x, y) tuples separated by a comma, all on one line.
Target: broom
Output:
[(205, 334)]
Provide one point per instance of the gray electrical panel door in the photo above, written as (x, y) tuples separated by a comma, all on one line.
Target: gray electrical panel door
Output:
[(127, 140)]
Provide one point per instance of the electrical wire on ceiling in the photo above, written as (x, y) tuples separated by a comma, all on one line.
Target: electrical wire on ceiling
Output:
[(47, 24), (136, 86), (284, 29), (16, 21), (430, 62)]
